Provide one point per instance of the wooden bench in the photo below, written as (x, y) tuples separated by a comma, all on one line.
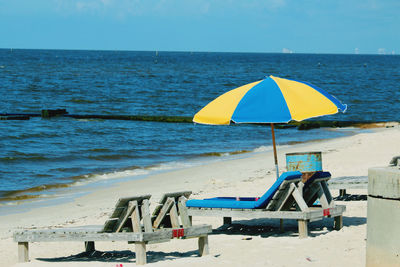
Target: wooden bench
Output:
[(130, 221)]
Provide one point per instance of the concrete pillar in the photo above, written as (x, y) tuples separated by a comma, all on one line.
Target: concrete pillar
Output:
[(383, 220)]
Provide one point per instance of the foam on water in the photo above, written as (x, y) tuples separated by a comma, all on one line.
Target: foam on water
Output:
[(263, 149)]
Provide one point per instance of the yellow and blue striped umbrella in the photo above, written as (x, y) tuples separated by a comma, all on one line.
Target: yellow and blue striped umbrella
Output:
[(272, 100)]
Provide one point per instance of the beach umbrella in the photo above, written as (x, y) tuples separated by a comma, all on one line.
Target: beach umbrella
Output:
[(272, 100)]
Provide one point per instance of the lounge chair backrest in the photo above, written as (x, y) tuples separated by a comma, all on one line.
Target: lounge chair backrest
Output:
[(286, 176), (309, 192), (312, 186), (318, 175), (121, 213), (167, 211)]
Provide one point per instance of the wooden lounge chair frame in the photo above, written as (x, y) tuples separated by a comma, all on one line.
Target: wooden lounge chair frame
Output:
[(293, 200), (130, 221)]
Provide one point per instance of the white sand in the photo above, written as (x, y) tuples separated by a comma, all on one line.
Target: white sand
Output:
[(249, 176)]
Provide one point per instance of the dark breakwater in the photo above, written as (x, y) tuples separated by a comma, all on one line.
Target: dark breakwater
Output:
[(301, 125)]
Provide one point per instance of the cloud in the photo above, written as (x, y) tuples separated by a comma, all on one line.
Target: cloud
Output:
[(287, 51), (82, 6), (129, 7), (172, 8), (85, 6), (269, 4)]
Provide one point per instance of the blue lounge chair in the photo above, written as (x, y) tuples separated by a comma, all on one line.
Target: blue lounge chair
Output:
[(287, 198), (245, 202)]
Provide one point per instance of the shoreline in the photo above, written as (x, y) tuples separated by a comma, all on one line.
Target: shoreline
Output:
[(47, 193), (242, 176), (89, 186)]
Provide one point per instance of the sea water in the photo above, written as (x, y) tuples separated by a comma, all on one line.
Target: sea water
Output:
[(40, 155)]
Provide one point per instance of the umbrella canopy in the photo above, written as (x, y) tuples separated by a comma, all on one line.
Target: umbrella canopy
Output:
[(272, 100)]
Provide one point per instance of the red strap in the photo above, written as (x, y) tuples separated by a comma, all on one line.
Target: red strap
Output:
[(178, 232), (181, 232), (174, 232), (327, 212)]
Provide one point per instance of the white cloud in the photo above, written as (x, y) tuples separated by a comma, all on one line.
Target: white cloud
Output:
[(287, 51), (381, 51), (164, 7), (86, 6), (90, 6)]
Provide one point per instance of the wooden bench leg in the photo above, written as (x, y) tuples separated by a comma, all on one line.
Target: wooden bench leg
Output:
[(338, 222), (89, 246), (227, 220), (23, 251), (140, 250), (303, 228), (203, 245)]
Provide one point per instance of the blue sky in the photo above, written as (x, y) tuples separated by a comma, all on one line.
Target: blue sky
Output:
[(308, 26)]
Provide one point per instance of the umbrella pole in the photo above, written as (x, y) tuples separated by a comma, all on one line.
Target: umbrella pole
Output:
[(275, 156)]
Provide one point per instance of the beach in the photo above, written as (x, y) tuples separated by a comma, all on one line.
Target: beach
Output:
[(256, 242)]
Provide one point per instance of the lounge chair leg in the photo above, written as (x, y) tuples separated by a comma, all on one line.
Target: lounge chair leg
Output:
[(89, 246), (23, 251), (303, 229), (281, 227), (203, 245), (338, 222), (227, 220), (140, 250)]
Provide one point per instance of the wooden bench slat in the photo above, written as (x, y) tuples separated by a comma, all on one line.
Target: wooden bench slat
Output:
[(163, 212)]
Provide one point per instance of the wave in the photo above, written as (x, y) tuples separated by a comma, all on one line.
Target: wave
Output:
[(35, 157), (37, 192), (230, 85), (94, 177), (99, 150), (223, 154), (30, 157), (263, 149), (30, 193), (79, 100), (34, 135), (17, 199), (111, 157)]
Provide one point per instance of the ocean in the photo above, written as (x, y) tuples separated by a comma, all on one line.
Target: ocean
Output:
[(40, 156)]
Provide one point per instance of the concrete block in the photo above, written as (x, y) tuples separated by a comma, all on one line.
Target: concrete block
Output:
[(383, 221), (384, 182)]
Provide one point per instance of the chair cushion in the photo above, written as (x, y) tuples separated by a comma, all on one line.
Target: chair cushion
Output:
[(248, 203), (220, 203)]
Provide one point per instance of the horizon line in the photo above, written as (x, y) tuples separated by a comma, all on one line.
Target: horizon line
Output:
[(191, 51)]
